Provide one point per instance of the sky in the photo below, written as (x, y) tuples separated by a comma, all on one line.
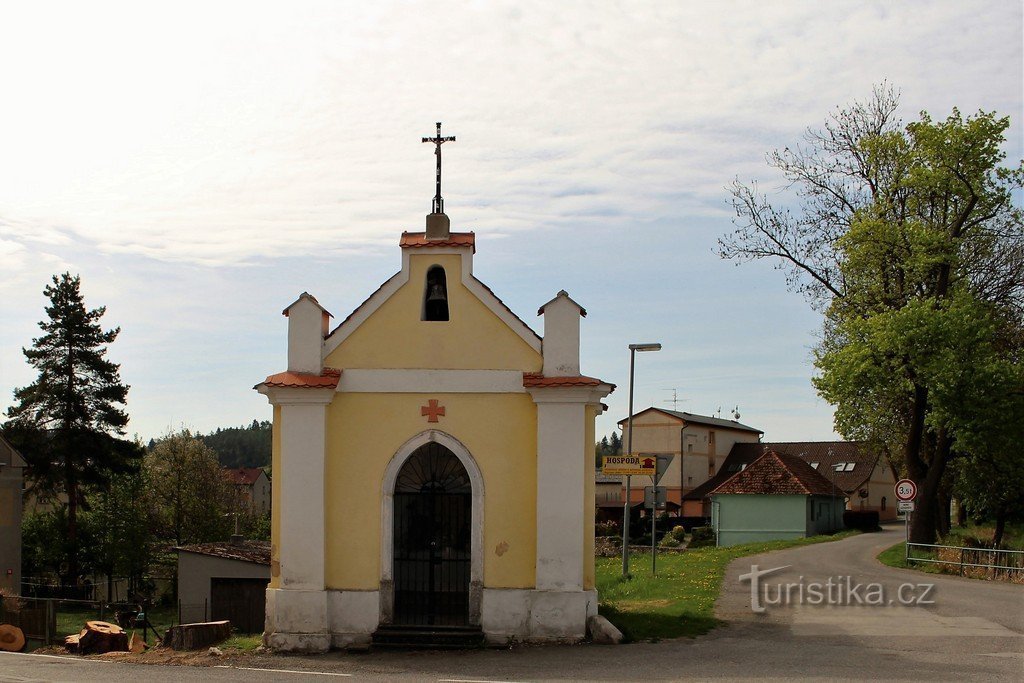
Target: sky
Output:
[(200, 164)]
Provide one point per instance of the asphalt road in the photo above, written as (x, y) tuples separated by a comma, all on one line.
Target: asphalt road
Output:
[(974, 630)]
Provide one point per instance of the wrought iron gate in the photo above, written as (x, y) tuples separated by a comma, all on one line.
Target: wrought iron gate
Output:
[(432, 548)]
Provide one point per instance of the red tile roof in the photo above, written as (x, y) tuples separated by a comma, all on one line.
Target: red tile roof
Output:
[(328, 378), (779, 474), (419, 240), (243, 475), (536, 379)]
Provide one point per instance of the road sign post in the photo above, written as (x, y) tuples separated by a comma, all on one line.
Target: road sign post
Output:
[(906, 492), (658, 498)]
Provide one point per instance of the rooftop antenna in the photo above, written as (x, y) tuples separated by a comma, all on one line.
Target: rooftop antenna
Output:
[(736, 412), (675, 400), (718, 413)]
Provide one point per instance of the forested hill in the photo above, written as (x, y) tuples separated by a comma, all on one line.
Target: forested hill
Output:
[(241, 446)]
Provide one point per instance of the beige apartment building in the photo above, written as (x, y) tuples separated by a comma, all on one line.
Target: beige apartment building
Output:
[(700, 444)]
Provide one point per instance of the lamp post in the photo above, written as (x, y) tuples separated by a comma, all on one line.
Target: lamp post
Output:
[(633, 348)]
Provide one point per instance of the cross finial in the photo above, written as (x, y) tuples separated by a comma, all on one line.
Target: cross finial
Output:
[(438, 205)]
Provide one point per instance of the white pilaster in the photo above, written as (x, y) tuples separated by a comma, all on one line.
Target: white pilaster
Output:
[(297, 614)]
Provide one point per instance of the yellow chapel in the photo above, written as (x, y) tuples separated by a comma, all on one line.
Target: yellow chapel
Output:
[(433, 463)]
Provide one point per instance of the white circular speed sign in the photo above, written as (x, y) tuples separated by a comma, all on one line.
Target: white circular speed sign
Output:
[(906, 490)]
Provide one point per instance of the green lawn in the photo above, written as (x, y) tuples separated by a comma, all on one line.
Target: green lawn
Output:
[(1013, 539), (680, 600)]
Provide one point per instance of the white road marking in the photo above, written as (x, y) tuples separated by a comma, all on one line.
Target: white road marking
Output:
[(279, 671), (74, 659)]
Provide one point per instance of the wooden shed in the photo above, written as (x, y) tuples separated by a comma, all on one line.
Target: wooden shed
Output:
[(218, 581)]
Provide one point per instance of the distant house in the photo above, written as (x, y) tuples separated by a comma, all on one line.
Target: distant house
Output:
[(252, 486), (863, 477), (224, 581), (777, 496), (699, 443), (11, 466)]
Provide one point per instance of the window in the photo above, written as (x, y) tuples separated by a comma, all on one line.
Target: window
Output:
[(711, 437), (850, 466), (435, 296), (814, 465), (883, 502)]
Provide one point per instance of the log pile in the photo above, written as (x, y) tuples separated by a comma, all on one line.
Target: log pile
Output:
[(197, 636), (96, 638)]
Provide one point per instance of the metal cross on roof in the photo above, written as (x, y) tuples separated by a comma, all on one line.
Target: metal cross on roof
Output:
[(438, 205)]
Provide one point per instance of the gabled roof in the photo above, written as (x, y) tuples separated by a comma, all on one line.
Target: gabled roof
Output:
[(327, 379), (243, 475), (743, 454), (777, 474), (257, 552), (562, 294), (697, 419), (418, 240), (9, 455), (826, 453), (309, 297)]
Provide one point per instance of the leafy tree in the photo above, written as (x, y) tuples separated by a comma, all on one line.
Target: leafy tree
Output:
[(192, 497), (907, 238), (66, 423), (122, 519)]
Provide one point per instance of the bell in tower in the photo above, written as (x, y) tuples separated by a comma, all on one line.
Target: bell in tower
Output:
[(435, 304)]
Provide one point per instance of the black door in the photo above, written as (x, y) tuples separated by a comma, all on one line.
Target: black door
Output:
[(432, 550), (240, 601)]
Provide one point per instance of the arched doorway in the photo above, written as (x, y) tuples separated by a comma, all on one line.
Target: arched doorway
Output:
[(432, 539)]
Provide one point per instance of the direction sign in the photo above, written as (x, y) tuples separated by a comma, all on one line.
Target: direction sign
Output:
[(906, 490), (649, 496), (662, 466), (904, 506), (632, 465)]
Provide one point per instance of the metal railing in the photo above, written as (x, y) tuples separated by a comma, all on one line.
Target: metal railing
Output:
[(1012, 560)]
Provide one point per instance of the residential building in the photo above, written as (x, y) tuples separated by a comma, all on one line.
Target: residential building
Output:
[(12, 466), (699, 444), (777, 496), (864, 477), (252, 487)]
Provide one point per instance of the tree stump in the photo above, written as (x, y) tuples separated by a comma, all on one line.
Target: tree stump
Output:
[(197, 636), (100, 636), (12, 638)]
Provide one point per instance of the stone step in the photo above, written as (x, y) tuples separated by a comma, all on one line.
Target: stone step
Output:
[(428, 637)]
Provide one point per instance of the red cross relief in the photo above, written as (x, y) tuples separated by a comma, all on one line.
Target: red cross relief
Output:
[(431, 410)]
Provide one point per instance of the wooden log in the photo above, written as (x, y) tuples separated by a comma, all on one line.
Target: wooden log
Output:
[(12, 638), (197, 636), (102, 636)]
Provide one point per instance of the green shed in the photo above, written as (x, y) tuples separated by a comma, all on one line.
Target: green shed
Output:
[(777, 496)]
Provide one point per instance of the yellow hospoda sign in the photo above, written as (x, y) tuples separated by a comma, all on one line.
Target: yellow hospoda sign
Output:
[(632, 465)]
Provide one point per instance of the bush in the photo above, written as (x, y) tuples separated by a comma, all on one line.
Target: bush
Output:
[(669, 541), (678, 533), (606, 528), (863, 520), (703, 536)]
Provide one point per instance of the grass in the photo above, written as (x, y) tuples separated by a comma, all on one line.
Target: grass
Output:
[(242, 643), (680, 600), (1013, 539)]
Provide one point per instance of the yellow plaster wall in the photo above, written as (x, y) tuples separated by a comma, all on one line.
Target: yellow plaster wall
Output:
[(474, 338), (588, 502), (275, 498), (364, 431)]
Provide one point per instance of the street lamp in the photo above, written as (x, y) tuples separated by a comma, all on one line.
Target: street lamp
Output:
[(633, 348)]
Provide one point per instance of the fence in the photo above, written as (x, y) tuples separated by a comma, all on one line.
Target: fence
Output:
[(993, 560), (48, 620)]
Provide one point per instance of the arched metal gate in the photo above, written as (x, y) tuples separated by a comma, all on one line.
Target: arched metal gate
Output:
[(432, 547)]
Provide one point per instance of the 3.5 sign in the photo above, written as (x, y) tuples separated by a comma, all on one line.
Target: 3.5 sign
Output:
[(906, 490)]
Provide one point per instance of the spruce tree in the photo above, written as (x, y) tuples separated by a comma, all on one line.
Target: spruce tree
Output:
[(68, 421)]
